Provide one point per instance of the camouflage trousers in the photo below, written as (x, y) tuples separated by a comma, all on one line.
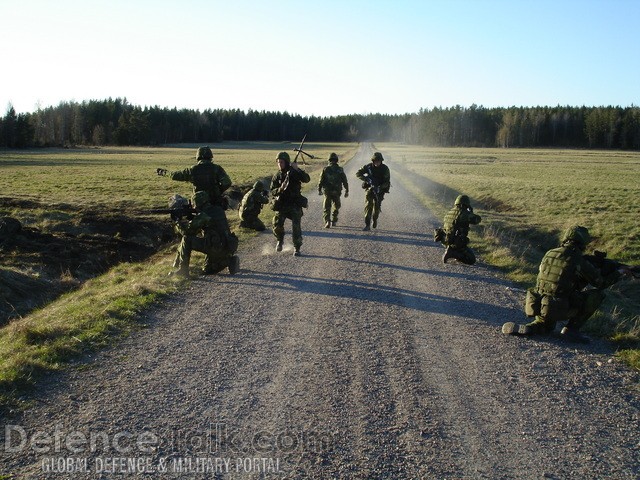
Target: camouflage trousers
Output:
[(464, 254), (372, 206), (216, 259), (295, 215), (576, 310), (253, 223), (331, 206)]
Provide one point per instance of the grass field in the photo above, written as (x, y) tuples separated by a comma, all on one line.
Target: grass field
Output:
[(125, 177), (80, 207)]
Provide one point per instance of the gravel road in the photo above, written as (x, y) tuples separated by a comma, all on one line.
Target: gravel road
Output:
[(364, 358)]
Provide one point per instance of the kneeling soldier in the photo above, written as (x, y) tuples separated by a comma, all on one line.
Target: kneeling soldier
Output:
[(217, 241), (251, 206), (560, 292)]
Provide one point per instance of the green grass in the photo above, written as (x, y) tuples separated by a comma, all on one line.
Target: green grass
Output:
[(101, 310), (48, 190), (117, 177), (527, 198)]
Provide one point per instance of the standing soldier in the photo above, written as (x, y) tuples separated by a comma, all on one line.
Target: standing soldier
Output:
[(286, 187), (217, 242), (332, 179), (251, 206), (376, 180), (456, 231), (205, 176), (560, 292)]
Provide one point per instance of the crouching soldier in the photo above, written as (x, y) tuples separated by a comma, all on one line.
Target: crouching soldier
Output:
[(208, 232), (455, 235), (560, 292), (251, 206)]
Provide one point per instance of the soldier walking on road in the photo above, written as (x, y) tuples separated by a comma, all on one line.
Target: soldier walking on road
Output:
[(560, 292), (208, 232), (376, 180), (455, 232), (288, 202), (251, 206), (332, 179), (205, 176)]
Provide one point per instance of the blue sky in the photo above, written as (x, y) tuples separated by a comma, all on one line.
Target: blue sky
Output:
[(328, 57)]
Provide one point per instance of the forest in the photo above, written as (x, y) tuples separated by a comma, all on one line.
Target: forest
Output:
[(117, 122)]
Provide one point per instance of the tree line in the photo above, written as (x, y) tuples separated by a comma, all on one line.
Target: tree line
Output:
[(116, 122)]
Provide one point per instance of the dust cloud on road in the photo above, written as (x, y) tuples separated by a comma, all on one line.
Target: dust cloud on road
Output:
[(364, 358)]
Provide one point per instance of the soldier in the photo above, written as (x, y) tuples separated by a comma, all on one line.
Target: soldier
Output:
[(251, 206), (456, 231), (332, 179), (217, 242), (560, 292), (376, 180), (286, 186), (205, 176)]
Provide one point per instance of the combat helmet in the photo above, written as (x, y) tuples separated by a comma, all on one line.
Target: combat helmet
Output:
[(284, 156), (463, 201), (200, 199), (577, 235), (333, 157), (377, 156), (204, 153), (259, 186)]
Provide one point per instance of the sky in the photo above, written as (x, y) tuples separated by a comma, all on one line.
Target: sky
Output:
[(321, 58)]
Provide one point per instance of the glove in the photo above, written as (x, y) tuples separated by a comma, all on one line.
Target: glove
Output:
[(346, 194), (161, 172)]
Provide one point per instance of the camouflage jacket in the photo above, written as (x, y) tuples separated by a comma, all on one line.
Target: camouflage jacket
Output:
[(252, 203), (205, 176), (292, 179), (456, 225), (209, 223), (564, 270), (332, 179), (375, 176)]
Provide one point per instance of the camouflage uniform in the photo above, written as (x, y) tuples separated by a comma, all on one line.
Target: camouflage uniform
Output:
[(376, 181), (560, 292), (456, 229), (205, 176), (251, 206), (286, 187), (332, 179), (217, 242)]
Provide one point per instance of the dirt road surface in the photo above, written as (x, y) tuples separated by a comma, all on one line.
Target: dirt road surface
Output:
[(364, 358)]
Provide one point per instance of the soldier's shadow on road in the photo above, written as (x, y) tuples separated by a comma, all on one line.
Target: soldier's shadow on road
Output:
[(571, 348), (387, 236), (435, 273), (376, 293)]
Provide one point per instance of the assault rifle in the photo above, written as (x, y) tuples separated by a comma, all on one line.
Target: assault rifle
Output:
[(179, 208), (606, 265), (371, 183), (301, 153)]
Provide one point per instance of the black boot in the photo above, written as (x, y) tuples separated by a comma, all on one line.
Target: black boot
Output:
[(573, 335)]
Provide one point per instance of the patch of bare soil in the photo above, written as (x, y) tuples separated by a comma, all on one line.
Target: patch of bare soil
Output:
[(39, 266)]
